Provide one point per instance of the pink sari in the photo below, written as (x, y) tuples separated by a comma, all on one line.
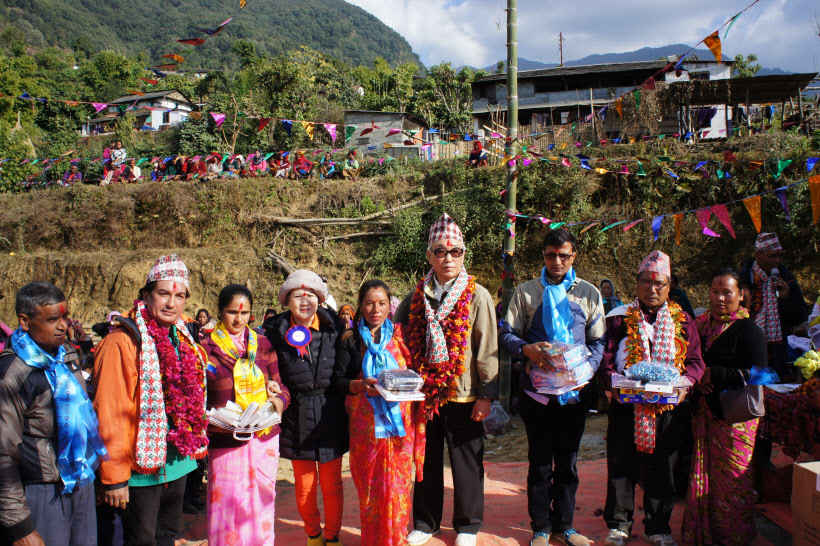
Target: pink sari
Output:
[(382, 469), (242, 493)]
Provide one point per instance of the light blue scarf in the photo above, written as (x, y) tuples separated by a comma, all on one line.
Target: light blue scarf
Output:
[(556, 313), (387, 415), (80, 448)]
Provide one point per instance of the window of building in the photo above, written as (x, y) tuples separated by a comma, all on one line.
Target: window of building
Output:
[(699, 75), (166, 118)]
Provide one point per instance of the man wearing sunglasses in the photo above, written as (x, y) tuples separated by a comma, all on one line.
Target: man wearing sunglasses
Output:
[(452, 337), (555, 307)]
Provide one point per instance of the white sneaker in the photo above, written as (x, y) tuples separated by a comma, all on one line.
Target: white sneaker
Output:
[(659, 540), (465, 539), (616, 537), (417, 538)]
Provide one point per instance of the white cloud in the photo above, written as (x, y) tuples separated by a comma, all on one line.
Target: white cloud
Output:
[(780, 32)]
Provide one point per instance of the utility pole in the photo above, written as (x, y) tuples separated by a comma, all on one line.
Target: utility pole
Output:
[(510, 152), (561, 47)]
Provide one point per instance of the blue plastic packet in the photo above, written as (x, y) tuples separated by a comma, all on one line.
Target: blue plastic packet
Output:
[(571, 397), (761, 376)]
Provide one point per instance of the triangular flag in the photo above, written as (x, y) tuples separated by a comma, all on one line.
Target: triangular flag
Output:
[(641, 172), (781, 166), (308, 126), (467, 137), (722, 214), (218, 118), (619, 107), (331, 130), (381, 160), (753, 207), (637, 95), (366, 131), (566, 163), (98, 105), (288, 125), (649, 84), (263, 122), (192, 41), (350, 130), (703, 219), (814, 188), (242, 3), (610, 226), (678, 221), (556, 225), (593, 224), (700, 165), (713, 43), (656, 227), (624, 169), (632, 224), (731, 23), (781, 195), (729, 156), (175, 57), (150, 82), (393, 131), (600, 170), (810, 163)]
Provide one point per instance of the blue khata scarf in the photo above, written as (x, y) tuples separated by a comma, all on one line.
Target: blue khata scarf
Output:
[(556, 313), (387, 415), (80, 448)]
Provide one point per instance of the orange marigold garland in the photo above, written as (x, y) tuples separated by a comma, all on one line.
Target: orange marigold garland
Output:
[(635, 350), (441, 379)]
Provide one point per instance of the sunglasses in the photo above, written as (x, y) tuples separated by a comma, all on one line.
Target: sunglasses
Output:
[(454, 252)]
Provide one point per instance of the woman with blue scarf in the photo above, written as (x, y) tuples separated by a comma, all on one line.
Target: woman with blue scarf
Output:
[(382, 434)]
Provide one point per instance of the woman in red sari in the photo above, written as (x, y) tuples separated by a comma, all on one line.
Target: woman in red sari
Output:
[(382, 433)]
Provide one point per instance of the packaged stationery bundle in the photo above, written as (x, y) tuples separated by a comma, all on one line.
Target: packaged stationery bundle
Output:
[(566, 356)]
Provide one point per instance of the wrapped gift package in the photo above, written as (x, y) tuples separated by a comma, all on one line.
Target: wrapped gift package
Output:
[(636, 391), (566, 356), (576, 376), (400, 380)]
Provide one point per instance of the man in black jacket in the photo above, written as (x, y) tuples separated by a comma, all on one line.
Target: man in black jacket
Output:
[(777, 303), (46, 495)]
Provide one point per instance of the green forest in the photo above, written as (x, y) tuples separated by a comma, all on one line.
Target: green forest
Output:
[(152, 27), (301, 84)]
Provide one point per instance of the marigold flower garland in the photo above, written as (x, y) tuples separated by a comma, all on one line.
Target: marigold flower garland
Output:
[(184, 389), (440, 380), (634, 348)]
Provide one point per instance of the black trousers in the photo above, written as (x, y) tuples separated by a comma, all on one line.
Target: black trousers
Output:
[(153, 516), (465, 443), (626, 466), (553, 436)]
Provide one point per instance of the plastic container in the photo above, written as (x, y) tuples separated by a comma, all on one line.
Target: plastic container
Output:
[(566, 356), (400, 380), (542, 379)]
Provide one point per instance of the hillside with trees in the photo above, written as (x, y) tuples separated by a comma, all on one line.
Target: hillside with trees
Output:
[(152, 27)]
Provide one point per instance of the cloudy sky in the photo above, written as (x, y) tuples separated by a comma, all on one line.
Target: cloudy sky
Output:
[(782, 33)]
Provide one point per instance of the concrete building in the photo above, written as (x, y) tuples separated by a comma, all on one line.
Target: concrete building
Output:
[(409, 132), (155, 110)]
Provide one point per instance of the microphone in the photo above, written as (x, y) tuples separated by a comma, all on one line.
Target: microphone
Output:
[(774, 275)]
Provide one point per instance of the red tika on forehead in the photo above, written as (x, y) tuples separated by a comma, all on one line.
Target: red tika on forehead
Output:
[(240, 305), (62, 309), (449, 243)]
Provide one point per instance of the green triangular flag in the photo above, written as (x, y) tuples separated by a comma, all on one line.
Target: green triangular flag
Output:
[(613, 225), (141, 161), (781, 166), (637, 94), (640, 172), (661, 137), (664, 158), (556, 225), (720, 174), (349, 131)]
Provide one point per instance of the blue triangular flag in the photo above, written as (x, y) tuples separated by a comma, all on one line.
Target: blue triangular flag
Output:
[(585, 165), (700, 164), (467, 137), (616, 140), (656, 226), (810, 163), (288, 125), (781, 194), (551, 147), (673, 175)]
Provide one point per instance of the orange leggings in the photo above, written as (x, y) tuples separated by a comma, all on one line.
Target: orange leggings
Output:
[(330, 480)]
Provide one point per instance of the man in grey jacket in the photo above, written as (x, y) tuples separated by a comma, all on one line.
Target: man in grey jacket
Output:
[(49, 445)]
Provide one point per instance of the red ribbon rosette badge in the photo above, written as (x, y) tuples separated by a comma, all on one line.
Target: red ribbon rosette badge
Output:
[(299, 337)]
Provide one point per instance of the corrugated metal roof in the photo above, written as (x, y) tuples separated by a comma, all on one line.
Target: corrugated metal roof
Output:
[(147, 96), (634, 66)]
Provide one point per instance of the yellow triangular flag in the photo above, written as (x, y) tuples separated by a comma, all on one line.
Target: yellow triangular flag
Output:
[(713, 43), (753, 206), (308, 126)]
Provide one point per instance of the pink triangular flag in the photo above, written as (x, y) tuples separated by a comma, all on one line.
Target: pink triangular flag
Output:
[(526, 161), (331, 130), (703, 219), (381, 160), (393, 131), (723, 215), (218, 118), (566, 163), (98, 105), (630, 225), (624, 169)]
